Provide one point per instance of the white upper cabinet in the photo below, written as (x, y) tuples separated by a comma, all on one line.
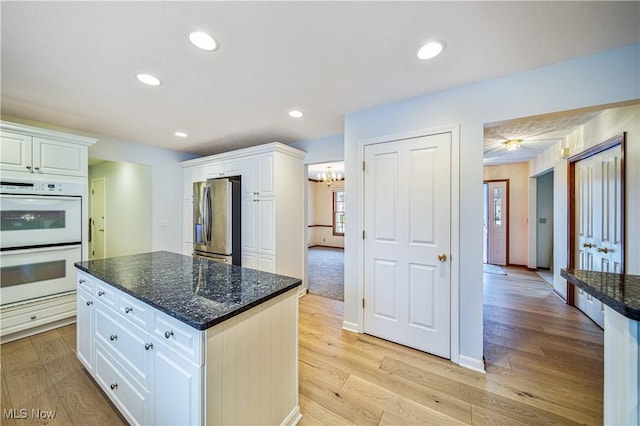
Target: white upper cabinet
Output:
[(28, 149), (258, 176), (220, 169)]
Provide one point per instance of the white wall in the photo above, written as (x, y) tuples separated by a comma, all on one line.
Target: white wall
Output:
[(322, 150), (609, 123), (544, 211), (518, 176), (127, 206), (608, 77)]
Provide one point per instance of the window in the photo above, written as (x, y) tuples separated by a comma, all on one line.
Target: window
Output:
[(338, 212)]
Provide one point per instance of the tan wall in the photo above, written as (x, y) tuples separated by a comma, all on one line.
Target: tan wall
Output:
[(518, 176), (320, 213)]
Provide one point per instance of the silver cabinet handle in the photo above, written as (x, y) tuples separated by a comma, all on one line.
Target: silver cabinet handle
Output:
[(114, 386), (127, 310), (101, 293), (148, 346), (113, 337), (168, 334), (89, 303)]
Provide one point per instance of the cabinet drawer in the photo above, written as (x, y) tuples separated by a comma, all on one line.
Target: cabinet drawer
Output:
[(105, 294), (85, 282), (125, 342), (133, 309), (132, 401), (39, 313), (185, 340)]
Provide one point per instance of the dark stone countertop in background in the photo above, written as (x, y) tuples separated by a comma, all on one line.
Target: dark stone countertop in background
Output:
[(198, 292), (620, 292)]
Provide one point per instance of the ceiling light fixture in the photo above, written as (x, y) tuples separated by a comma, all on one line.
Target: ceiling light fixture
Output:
[(149, 79), (295, 114), (430, 50), (181, 134), (203, 41), (513, 144), (329, 177)]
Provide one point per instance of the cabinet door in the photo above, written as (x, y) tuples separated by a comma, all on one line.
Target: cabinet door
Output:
[(231, 167), (266, 225), (267, 263), (15, 152), (84, 329), (176, 389), (213, 170), (249, 177), (266, 175), (187, 230), (189, 175), (59, 158), (249, 225), (250, 259)]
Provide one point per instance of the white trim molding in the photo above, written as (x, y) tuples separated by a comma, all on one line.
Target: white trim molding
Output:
[(350, 326), (472, 364)]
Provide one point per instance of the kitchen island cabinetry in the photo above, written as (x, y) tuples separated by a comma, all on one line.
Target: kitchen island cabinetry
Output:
[(174, 339)]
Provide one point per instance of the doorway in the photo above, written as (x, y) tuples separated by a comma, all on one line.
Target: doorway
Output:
[(544, 226), (97, 220), (496, 222), (325, 230)]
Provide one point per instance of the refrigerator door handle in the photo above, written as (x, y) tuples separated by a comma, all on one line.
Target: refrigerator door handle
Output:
[(209, 217)]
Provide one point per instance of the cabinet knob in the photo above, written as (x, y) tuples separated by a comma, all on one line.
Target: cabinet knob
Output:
[(101, 293), (588, 245), (168, 334), (148, 346), (81, 281), (37, 169), (114, 386), (604, 250), (113, 337), (33, 317), (89, 303), (29, 168), (127, 310)]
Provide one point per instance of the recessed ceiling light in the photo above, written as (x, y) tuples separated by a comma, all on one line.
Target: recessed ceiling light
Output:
[(203, 41), (295, 114), (149, 79), (430, 50), (181, 134)]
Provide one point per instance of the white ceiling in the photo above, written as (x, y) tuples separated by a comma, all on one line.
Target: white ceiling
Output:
[(73, 64)]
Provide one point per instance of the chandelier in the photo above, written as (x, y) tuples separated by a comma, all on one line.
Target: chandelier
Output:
[(513, 144), (329, 177)]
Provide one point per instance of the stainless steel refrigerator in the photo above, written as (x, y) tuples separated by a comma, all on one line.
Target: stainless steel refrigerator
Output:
[(217, 220)]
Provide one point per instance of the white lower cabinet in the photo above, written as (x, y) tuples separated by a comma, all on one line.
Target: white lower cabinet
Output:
[(176, 388), (149, 364)]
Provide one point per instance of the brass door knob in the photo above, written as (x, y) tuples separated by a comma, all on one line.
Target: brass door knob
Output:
[(605, 250), (442, 257), (588, 245)]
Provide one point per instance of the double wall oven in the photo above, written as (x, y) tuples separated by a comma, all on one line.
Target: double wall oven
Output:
[(40, 238)]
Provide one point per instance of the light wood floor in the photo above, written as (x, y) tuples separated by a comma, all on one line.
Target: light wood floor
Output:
[(544, 365)]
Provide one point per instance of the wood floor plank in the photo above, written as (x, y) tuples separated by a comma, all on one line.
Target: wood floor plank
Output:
[(316, 414), (30, 389), (6, 404)]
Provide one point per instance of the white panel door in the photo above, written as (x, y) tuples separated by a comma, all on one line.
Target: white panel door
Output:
[(407, 227), (497, 223), (598, 222)]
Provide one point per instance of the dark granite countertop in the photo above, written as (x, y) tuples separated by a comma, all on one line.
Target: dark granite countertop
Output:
[(196, 291), (620, 292)]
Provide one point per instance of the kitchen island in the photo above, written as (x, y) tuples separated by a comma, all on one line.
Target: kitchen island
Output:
[(621, 296), (174, 339)]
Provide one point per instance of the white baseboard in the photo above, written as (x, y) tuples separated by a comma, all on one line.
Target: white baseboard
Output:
[(302, 291), (350, 326), (293, 418), (472, 364)]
